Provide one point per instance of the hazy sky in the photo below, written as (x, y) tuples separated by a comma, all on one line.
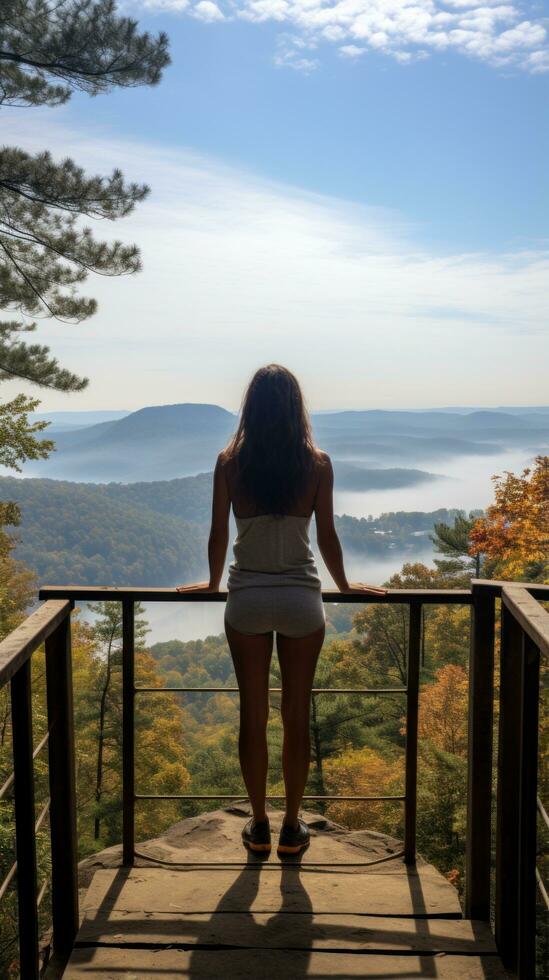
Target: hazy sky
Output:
[(356, 189)]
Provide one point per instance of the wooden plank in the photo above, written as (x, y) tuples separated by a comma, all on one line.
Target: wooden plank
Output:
[(64, 838), (412, 709), (494, 587), (533, 618), (95, 593), (421, 891), (23, 794), (507, 816), (479, 754), (128, 731), (198, 964), (287, 931), (18, 646), (529, 723)]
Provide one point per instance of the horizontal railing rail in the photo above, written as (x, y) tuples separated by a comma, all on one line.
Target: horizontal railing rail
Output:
[(272, 690), (21, 643), (525, 637), (95, 593)]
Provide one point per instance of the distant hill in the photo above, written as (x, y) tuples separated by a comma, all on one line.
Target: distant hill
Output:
[(154, 443), (63, 421), (171, 441), (360, 478)]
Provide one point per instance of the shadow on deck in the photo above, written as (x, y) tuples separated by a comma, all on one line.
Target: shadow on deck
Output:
[(350, 908)]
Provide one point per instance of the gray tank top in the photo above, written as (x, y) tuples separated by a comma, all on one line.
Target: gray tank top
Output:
[(272, 550)]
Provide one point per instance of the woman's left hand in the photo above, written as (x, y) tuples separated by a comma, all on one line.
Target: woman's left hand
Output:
[(196, 587)]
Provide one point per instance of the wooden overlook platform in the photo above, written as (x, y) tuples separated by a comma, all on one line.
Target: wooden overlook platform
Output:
[(359, 904), (351, 908)]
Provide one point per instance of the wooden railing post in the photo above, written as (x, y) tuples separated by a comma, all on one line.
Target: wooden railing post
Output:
[(128, 731), (528, 808), (507, 826), (64, 845), (480, 739), (412, 707), (23, 791)]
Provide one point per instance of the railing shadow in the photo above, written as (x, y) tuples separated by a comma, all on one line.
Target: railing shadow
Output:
[(254, 930)]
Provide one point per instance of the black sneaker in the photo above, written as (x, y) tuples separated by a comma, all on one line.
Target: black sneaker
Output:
[(293, 841), (257, 836)]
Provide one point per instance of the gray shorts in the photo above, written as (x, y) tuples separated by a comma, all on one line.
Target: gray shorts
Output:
[(293, 610)]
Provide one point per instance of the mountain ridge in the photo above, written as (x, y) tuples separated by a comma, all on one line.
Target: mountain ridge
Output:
[(163, 442)]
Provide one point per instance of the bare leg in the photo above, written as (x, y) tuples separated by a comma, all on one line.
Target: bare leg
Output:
[(252, 658), (298, 658)]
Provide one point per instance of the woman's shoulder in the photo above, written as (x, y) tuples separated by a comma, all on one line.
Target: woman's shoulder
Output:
[(225, 460), (226, 464), (322, 459)]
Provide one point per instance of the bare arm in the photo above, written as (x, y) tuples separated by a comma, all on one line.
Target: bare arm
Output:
[(219, 531), (328, 541), (219, 534), (326, 535)]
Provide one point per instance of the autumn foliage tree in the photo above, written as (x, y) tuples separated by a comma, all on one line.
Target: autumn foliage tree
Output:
[(443, 710), (442, 768), (364, 772), (514, 532)]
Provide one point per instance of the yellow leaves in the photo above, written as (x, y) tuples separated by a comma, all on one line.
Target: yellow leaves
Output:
[(443, 710), (514, 533), (364, 772)]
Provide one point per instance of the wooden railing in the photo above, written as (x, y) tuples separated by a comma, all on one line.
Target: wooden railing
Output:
[(525, 638), (50, 624)]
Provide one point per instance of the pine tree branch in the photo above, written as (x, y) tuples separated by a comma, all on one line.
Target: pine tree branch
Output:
[(38, 381), (59, 66), (26, 278)]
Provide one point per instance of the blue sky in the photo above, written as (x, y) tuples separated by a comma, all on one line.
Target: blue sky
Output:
[(456, 144), (356, 189)]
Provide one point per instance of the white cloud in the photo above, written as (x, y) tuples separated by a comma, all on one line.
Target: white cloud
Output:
[(207, 11), (176, 6), (290, 53), (500, 34), (351, 51), (239, 271)]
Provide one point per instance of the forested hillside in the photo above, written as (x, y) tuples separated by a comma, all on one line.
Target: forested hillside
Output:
[(75, 533), (156, 533)]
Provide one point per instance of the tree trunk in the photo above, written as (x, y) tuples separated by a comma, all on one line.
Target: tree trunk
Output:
[(100, 747), (318, 755)]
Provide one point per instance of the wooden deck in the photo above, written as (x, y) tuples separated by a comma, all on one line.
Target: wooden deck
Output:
[(351, 908)]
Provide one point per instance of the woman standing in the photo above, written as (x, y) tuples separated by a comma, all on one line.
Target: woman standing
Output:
[(275, 478)]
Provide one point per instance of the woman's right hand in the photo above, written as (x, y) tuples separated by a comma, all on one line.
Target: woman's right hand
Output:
[(366, 589)]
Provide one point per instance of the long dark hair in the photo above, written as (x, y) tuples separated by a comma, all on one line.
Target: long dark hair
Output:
[(273, 447)]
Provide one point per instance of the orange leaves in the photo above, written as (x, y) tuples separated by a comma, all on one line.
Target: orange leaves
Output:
[(514, 533), (443, 710)]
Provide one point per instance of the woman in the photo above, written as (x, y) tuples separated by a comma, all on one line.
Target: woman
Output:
[(275, 478)]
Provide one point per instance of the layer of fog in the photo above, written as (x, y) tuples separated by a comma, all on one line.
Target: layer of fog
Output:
[(467, 484)]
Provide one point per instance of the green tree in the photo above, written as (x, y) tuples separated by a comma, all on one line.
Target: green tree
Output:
[(17, 582), (48, 50), (454, 542), (17, 587)]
